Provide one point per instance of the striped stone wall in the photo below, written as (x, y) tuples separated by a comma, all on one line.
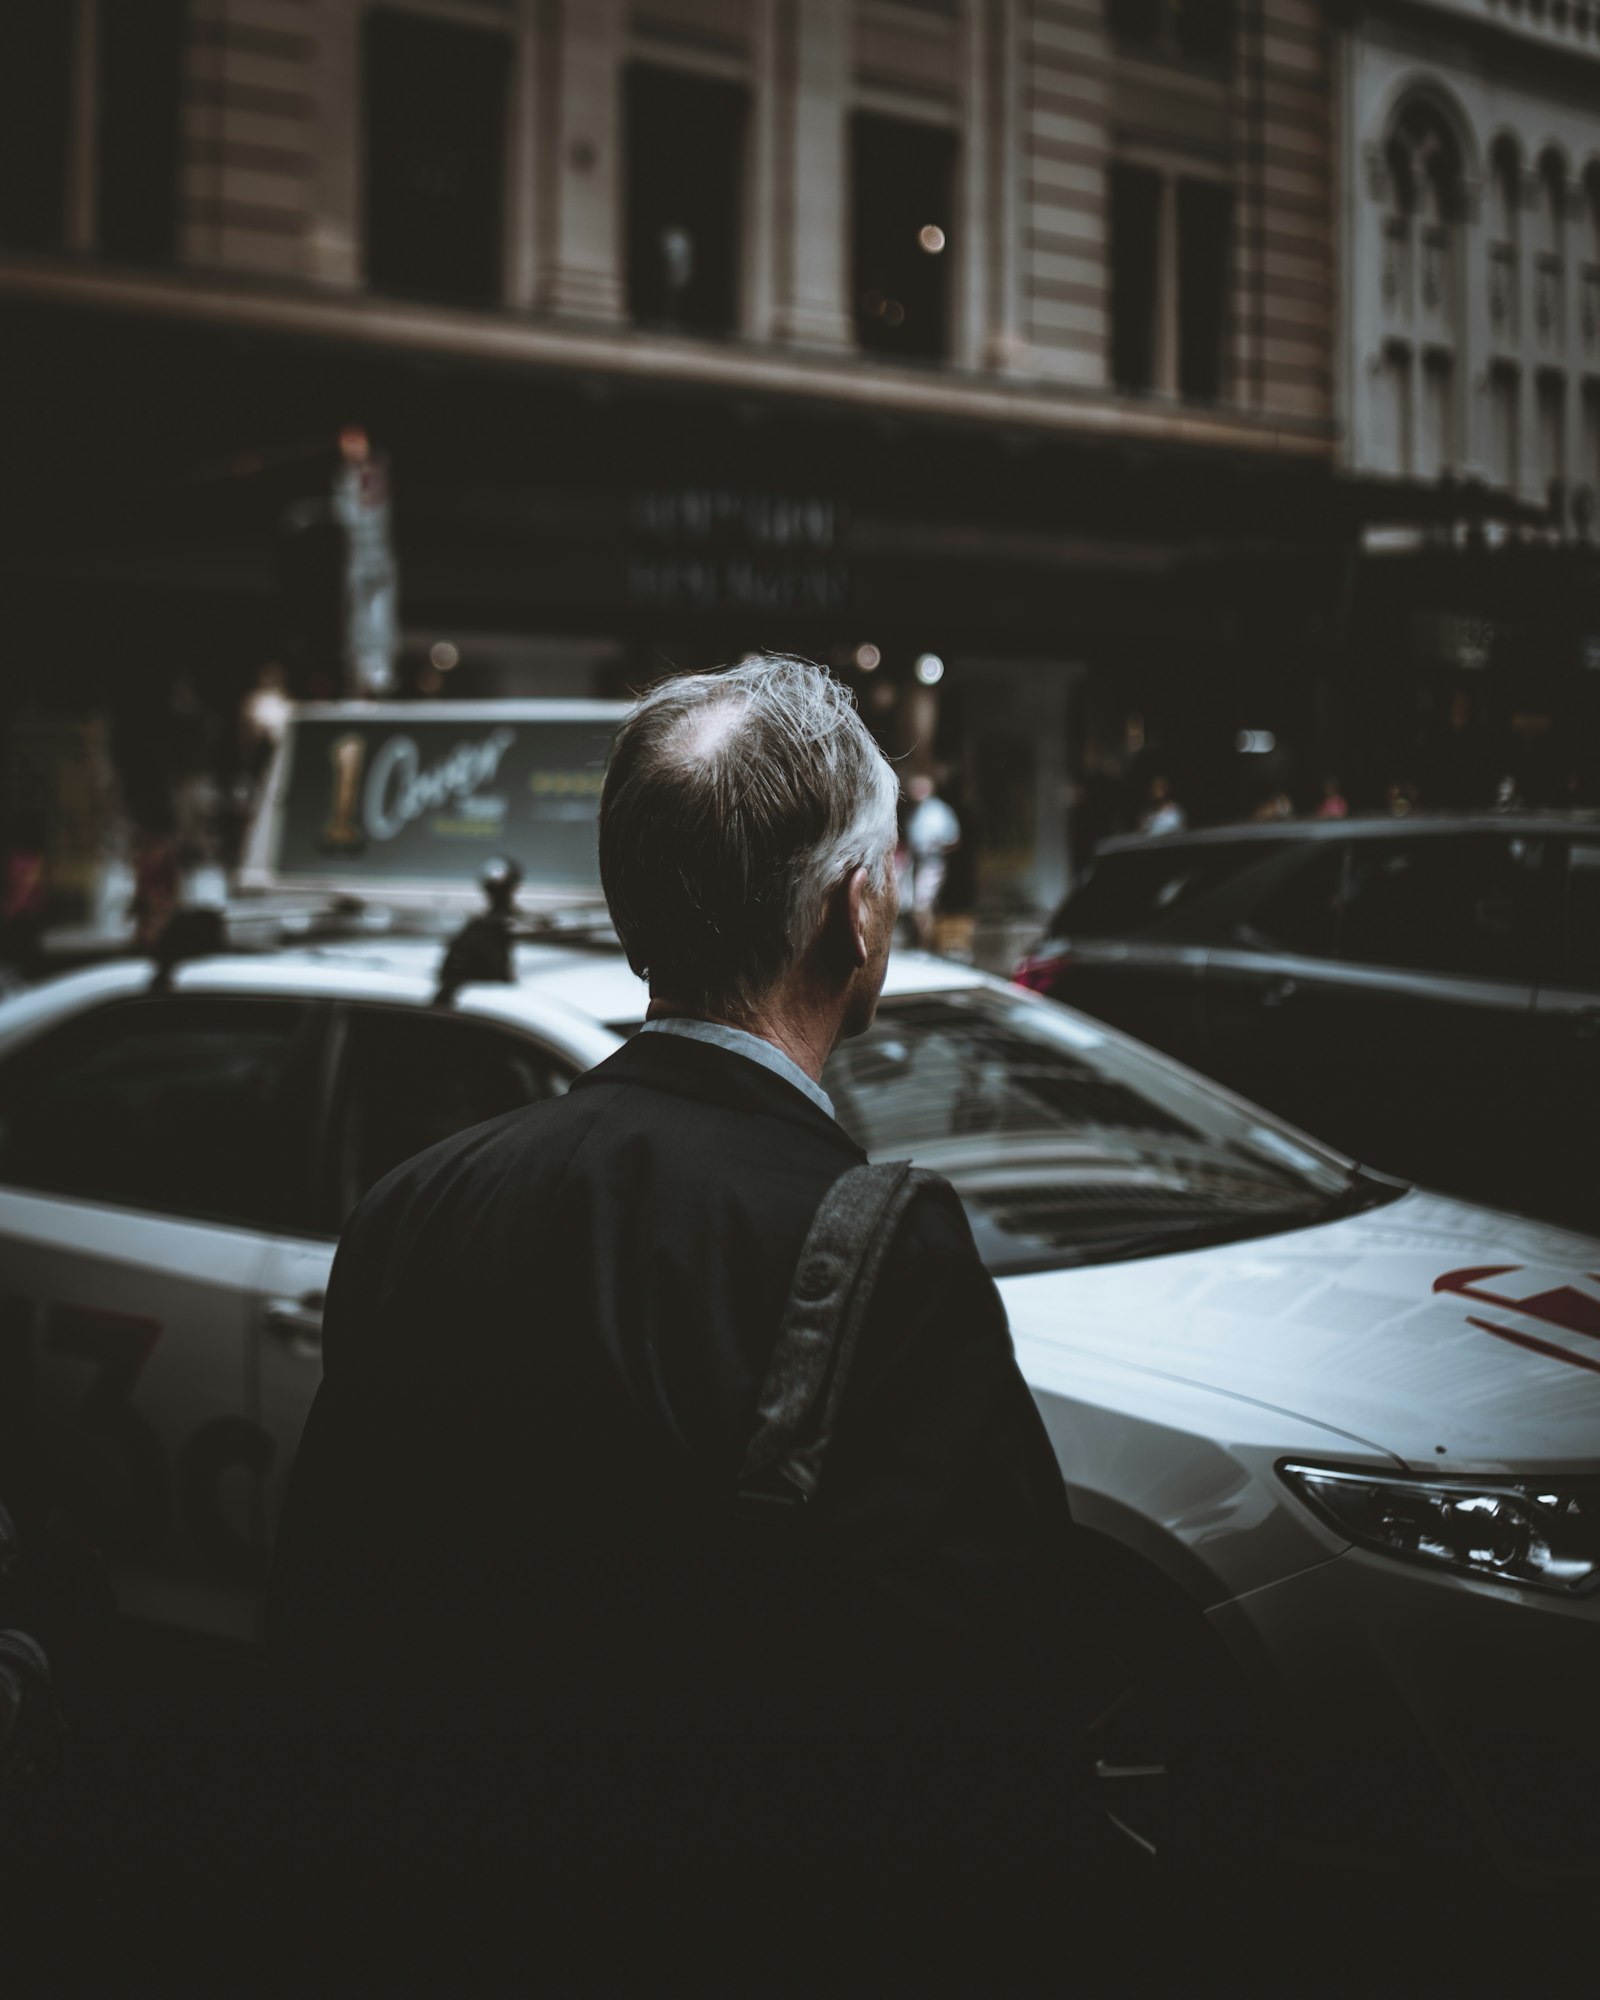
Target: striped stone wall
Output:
[(1285, 295), (250, 135), (1063, 142)]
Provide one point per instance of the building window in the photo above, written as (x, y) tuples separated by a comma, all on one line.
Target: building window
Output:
[(1422, 291), (435, 106), (1436, 445), (139, 92), (902, 196), (1505, 393), (685, 173), (1551, 392), (1205, 216), (1549, 300), (1136, 199), (1398, 427), (1203, 30), (1170, 265), (1587, 512), (35, 95), (1505, 180), (1590, 316), (1139, 23), (1199, 31)]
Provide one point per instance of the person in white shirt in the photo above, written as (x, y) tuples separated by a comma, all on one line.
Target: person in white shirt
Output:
[(932, 833)]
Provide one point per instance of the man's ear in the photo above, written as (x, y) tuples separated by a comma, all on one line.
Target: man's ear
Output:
[(853, 901)]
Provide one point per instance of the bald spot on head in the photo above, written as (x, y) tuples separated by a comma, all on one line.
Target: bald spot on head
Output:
[(703, 733)]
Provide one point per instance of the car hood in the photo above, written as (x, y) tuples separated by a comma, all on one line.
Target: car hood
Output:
[(1448, 1335)]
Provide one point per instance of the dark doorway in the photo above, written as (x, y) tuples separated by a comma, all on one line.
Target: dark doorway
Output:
[(435, 106), (35, 58), (902, 184), (686, 150), (1135, 275), (1205, 226), (139, 75)]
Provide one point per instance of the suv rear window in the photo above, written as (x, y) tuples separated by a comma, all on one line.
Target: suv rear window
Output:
[(1468, 904), (1126, 891)]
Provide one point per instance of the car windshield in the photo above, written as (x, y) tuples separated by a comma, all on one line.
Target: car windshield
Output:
[(1069, 1144), (1124, 892)]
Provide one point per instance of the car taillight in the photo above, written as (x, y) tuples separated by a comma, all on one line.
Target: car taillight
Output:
[(1040, 970)]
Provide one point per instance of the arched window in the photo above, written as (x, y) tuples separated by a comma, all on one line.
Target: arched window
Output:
[(1590, 317), (1505, 208), (1591, 214), (1422, 288), (1549, 287)]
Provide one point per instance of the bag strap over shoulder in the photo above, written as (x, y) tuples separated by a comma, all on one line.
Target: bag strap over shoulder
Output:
[(833, 1284)]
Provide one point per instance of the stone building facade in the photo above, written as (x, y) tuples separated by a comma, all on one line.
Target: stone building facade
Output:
[(1002, 330), (1472, 205), (1470, 377)]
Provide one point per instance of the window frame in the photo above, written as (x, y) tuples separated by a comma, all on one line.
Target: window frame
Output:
[(334, 1095), (1566, 972), (1548, 898), (637, 77), (465, 21), (306, 1068), (1171, 170)]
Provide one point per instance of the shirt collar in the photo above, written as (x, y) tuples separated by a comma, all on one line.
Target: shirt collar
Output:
[(758, 1050)]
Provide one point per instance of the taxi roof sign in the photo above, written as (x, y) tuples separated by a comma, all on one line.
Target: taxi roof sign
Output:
[(405, 802)]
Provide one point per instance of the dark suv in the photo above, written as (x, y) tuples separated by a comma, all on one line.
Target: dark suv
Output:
[(1422, 992)]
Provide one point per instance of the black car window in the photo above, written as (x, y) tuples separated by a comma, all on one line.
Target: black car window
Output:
[(1125, 892), (1065, 1142), (1449, 903), (1583, 913), (1299, 912), (188, 1105), (410, 1080)]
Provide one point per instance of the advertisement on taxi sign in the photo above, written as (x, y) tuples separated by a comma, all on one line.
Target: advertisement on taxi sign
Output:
[(421, 794)]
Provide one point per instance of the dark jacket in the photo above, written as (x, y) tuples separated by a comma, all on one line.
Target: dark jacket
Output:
[(544, 1340)]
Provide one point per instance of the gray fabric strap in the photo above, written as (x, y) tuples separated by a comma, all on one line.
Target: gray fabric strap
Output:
[(833, 1284)]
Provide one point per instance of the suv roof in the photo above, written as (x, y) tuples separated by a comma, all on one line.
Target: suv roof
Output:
[(1370, 825)]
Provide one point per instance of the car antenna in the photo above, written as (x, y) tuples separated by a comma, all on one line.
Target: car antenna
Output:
[(482, 948)]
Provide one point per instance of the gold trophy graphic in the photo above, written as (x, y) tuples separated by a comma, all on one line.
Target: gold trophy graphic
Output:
[(347, 756)]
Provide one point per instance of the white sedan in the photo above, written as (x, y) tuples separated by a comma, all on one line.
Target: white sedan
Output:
[(1334, 1444)]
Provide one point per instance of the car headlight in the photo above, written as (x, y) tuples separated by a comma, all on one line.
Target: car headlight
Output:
[(1540, 1533)]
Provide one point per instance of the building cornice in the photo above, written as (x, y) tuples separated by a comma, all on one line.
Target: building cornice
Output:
[(626, 355), (1498, 27)]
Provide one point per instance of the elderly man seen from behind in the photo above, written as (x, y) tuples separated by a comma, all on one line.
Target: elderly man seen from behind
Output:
[(506, 1593)]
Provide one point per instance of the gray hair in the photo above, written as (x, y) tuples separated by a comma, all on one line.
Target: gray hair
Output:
[(735, 803)]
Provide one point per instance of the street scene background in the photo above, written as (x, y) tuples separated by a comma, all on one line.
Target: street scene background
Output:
[(1169, 418)]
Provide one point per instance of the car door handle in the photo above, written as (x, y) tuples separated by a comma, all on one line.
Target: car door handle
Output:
[(1277, 992), (296, 1321)]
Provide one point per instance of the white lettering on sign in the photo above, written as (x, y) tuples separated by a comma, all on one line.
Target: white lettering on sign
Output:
[(399, 790)]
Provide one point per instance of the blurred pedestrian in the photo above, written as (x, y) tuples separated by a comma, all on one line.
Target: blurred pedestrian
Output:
[(1276, 805), (157, 880), (1507, 798), (1333, 804), (955, 925), (1162, 814), (24, 891), (502, 1591), (932, 834)]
